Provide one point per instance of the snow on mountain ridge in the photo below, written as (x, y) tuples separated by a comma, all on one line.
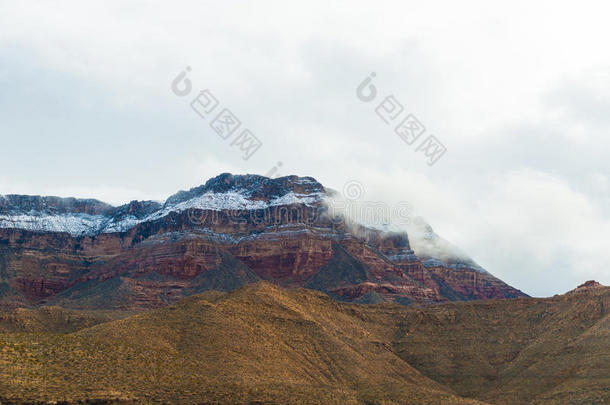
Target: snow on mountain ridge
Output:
[(252, 186), (82, 224)]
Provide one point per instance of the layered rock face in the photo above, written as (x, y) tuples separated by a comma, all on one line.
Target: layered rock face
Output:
[(231, 231)]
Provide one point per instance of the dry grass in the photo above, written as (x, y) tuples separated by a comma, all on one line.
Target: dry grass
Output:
[(267, 345)]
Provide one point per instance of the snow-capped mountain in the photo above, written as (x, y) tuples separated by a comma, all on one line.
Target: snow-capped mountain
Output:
[(227, 232), (87, 217)]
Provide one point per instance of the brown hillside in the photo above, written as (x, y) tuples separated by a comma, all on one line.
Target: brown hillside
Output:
[(265, 344)]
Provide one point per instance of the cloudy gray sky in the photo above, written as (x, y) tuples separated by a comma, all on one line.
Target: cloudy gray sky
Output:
[(519, 94)]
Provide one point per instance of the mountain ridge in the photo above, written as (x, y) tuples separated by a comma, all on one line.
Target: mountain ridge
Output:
[(282, 230), (266, 344), (92, 217)]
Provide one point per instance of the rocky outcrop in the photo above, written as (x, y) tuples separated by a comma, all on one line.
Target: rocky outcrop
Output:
[(228, 232), (587, 286)]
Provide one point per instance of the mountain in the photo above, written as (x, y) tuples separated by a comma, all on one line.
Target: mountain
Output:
[(231, 231), (586, 287), (264, 344)]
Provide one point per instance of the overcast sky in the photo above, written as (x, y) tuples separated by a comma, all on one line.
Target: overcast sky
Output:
[(519, 95)]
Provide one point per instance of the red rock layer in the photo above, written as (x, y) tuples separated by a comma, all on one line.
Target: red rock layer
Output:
[(158, 262)]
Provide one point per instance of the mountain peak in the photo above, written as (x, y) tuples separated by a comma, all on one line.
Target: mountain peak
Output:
[(587, 286), (226, 191), (253, 186)]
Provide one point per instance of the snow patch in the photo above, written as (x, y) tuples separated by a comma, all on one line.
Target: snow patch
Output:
[(74, 224), (78, 224)]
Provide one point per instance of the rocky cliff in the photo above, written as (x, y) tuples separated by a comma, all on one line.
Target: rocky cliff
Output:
[(231, 231)]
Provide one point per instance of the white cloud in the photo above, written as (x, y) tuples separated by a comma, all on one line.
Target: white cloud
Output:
[(533, 226)]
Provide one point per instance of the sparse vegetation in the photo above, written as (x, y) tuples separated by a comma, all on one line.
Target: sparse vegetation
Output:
[(265, 345)]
